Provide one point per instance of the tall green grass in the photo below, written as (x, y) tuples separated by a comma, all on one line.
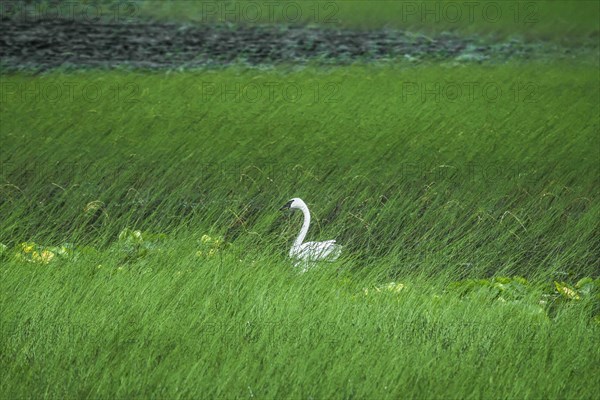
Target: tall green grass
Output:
[(422, 185), (172, 326), (491, 166)]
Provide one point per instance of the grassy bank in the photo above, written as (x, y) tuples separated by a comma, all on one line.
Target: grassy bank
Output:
[(428, 176), (484, 164)]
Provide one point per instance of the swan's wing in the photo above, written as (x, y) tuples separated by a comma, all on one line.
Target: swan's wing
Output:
[(327, 250)]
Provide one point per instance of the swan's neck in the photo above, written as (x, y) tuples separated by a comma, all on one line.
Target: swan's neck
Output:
[(304, 229)]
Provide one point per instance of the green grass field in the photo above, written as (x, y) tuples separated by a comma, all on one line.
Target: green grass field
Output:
[(563, 20), (450, 193)]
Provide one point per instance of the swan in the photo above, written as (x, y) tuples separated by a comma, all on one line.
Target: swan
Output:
[(306, 254)]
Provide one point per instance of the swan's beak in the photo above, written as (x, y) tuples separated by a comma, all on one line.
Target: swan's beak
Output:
[(286, 206)]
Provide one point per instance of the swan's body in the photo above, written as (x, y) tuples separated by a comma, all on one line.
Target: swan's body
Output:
[(306, 254)]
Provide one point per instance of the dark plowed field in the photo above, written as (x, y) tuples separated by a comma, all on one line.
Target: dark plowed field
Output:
[(51, 43)]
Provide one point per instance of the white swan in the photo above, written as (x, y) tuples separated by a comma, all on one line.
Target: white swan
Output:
[(306, 254)]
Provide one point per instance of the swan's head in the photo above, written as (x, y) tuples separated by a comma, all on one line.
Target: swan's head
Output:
[(293, 203)]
